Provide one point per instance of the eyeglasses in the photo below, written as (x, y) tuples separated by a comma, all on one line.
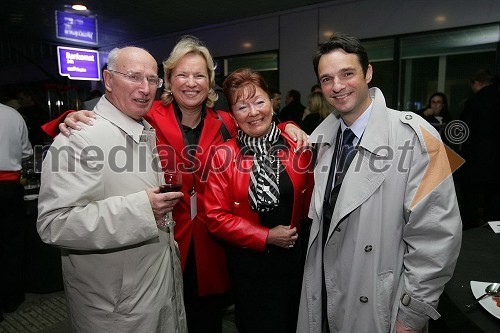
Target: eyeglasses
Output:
[(139, 78)]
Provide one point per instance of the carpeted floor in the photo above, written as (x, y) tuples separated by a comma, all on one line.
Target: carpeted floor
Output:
[(38, 313), (47, 313)]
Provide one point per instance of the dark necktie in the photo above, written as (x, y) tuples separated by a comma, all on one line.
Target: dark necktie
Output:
[(344, 156)]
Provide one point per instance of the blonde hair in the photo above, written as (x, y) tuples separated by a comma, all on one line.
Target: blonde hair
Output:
[(318, 104), (188, 45)]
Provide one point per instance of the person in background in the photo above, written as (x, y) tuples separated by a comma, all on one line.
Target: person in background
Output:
[(478, 178), (319, 109), (275, 97), (385, 236), (221, 102), (14, 147), (437, 114), (256, 204), (91, 102), (34, 115), (293, 110), (186, 131), (120, 262), (436, 111), (8, 97), (315, 88)]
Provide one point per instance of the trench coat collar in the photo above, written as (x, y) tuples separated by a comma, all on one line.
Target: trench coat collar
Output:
[(130, 126)]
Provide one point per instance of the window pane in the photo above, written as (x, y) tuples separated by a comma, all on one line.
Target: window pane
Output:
[(419, 81), (459, 69), (383, 79), (474, 39), (266, 63), (260, 62), (381, 53), (379, 50)]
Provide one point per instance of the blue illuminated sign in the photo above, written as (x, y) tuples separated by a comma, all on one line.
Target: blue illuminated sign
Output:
[(76, 27), (78, 64)]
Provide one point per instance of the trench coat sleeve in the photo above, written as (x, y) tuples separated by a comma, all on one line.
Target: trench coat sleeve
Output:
[(432, 232), (73, 212), (237, 229)]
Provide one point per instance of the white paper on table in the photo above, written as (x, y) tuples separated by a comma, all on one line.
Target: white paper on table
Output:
[(495, 225), (478, 289)]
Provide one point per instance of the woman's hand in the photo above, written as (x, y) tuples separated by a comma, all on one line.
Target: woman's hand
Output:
[(72, 119), (428, 112), (296, 134), (282, 236)]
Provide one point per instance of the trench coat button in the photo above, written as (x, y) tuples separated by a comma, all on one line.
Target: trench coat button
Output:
[(368, 248), (408, 117), (236, 204), (363, 299), (338, 229)]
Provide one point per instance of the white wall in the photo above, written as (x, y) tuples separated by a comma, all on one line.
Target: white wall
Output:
[(297, 47)]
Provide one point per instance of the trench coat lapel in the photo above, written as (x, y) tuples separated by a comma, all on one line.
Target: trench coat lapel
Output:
[(364, 175), (324, 138)]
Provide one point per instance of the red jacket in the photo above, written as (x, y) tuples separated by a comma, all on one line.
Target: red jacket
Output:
[(227, 207), (211, 264)]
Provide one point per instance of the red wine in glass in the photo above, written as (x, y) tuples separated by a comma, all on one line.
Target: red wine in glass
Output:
[(171, 182), (170, 188)]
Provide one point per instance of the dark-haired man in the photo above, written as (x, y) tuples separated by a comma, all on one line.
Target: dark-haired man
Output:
[(293, 109), (386, 228), (479, 178)]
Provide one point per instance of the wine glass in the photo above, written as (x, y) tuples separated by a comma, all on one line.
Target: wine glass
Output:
[(170, 181)]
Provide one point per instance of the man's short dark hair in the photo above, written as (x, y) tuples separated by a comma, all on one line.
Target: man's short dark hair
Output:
[(484, 76), (294, 94), (346, 43)]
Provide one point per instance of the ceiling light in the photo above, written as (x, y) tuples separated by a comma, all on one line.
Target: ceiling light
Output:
[(247, 45), (327, 33), (440, 18), (79, 7)]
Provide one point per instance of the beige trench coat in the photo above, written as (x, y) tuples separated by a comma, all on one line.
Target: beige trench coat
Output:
[(380, 245), (121, 273)]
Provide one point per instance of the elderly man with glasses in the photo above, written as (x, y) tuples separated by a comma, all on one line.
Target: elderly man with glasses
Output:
[(100, 202)]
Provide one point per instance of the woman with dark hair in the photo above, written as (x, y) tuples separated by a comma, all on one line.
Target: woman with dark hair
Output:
[(436, 111), (258, 191)]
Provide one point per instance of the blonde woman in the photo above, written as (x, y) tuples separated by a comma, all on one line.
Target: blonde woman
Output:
[(319, 110)]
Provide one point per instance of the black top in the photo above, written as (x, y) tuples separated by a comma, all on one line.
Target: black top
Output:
[(191, 134), (292, 112)]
